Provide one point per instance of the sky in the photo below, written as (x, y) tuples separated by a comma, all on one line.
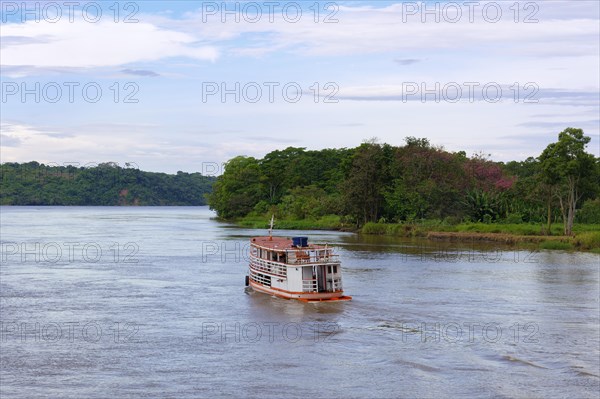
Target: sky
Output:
[(186, 85)]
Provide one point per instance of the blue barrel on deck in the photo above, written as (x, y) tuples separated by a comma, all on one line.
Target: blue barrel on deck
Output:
[(300, 241)]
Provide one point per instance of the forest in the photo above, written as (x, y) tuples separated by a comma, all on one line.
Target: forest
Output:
[(368, 188), (414, 183), (106, 184)]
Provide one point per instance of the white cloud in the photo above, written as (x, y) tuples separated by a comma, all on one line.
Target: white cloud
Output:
[(141, 144), (564, 30), (32, 143), (565, 36), (567, 29), (93, 45)]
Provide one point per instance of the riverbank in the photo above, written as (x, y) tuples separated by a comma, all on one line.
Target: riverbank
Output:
[(587, 236)]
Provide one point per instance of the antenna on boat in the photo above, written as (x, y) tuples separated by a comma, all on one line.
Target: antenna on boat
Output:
[(271, 227)]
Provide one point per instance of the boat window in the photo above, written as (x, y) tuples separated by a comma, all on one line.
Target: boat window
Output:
[(335, 269)]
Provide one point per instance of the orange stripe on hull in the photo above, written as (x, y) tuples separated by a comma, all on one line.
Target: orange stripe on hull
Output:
[(301, 296)]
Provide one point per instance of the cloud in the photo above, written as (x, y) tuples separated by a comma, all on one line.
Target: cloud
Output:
[(447, 92), (21, 71), (270, 139), (559, 126), (144, 144), (376, 29), (565, 30), (20, 141), (21, 40), (406, 61), (351, 124), (9, 141), (39, 46), (140, 72), (34, 142), (534, 141)]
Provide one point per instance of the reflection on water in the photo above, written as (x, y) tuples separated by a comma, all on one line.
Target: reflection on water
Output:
[(130, 302)]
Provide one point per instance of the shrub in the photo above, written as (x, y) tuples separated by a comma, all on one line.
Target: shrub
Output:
[(374, 228), (556, 245), (514, 218), (452, 220), (590, 240), (261, 207), (589, 212)]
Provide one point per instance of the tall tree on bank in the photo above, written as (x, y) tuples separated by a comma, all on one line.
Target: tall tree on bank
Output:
[(565, 166), (237, 191), (365, 184)]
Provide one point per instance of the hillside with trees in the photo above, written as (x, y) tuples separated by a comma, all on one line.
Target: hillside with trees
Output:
[(413, 183), (106, 184)]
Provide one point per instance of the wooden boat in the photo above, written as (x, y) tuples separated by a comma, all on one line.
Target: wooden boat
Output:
[(292, 268)]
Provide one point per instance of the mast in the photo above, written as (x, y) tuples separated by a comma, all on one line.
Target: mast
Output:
[(271, 227)]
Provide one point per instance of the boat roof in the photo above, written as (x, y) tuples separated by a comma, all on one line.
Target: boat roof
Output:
[(281, 244)]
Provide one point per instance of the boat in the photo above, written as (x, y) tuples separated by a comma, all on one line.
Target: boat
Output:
[(291, 268)]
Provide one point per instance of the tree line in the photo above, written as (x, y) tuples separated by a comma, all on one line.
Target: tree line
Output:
[(377, 182), (106, 184)]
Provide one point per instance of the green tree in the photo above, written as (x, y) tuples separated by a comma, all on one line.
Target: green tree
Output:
[(238, 189), (365, 185), (566, 166), (279, 171), (531, 197), (426, 182)]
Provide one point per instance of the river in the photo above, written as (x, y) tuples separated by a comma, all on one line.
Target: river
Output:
[(102, 302)]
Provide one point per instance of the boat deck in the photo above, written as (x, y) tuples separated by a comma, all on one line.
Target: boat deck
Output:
[(281, 244)]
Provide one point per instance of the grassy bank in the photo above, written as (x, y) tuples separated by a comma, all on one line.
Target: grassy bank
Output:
[(587, 236), (420, 229)]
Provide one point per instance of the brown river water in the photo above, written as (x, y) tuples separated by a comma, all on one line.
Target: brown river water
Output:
[(150, 302)]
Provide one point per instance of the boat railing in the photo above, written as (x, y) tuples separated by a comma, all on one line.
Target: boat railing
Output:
[(269, 266), (335, 283), (309, 285), (259, 278), (303, 258)]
